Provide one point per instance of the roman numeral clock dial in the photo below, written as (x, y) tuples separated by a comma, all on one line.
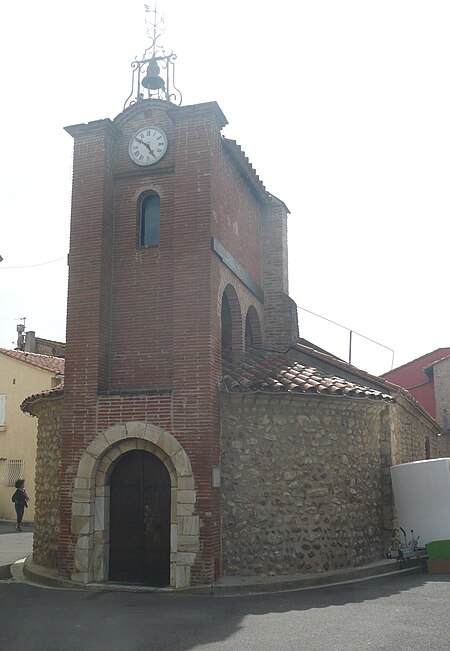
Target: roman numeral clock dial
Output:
[(147, 146)]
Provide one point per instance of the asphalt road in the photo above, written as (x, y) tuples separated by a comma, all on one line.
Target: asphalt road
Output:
[(396, 613)]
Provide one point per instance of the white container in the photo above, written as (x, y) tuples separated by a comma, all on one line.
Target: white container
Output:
[(422, 499)]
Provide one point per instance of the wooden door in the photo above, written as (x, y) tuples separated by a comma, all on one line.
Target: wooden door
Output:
[(140, 520)]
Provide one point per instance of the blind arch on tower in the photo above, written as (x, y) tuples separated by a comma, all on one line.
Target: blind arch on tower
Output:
[(253, 335), (231, 326)]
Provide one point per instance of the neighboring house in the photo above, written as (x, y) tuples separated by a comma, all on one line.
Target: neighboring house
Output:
[(42, 346), (21, 374), (427, 378)]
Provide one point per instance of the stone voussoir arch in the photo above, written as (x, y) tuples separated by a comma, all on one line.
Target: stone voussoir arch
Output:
[(90, 500)]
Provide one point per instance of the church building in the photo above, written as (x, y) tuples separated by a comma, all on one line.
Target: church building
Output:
[(196, 435)]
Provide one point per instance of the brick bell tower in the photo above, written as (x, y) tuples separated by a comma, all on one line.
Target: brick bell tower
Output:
[(178, 258)]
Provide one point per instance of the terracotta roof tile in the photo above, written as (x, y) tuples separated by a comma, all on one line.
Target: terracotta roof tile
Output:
[(245, 166), (44, 362), (385, 386), (56, 392), (268, 371)]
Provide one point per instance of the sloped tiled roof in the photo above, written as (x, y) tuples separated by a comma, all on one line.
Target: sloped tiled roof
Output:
[(44, 362), (56, 392), (307, 348), (245, 166), (279, 372), (51, 342), (248, 171), (276, 372)]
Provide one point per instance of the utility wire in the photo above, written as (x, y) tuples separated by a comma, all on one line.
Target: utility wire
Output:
[(352, 332), (38, 264)]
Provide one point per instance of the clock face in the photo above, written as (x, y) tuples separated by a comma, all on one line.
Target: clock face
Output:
[(147, 146)]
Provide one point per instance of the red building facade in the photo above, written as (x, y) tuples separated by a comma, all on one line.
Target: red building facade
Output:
[(417, 377)]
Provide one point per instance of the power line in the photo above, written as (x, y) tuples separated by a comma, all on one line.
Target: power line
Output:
[(38, 264), (351, 332)]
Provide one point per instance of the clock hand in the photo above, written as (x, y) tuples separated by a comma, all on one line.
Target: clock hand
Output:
[(146, 145)]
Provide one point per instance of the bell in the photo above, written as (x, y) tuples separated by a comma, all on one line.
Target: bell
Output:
[(152, 80)]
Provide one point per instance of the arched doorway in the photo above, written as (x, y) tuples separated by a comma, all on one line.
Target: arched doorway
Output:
[(140, 520), (91, 495)]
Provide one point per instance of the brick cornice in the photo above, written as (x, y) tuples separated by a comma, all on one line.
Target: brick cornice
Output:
[(95, 127)]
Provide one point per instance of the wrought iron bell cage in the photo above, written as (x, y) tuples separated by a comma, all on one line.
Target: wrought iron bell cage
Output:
[(154, 78)]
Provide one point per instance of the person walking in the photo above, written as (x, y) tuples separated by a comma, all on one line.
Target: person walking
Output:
[(20, 499)]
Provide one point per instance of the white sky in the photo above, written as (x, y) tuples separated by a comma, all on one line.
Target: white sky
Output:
[(342, 107)]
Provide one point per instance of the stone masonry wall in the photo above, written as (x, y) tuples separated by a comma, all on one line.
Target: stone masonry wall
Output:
[(441, 373), (301, 483), (444, 445), (414, 435), (48, 460)]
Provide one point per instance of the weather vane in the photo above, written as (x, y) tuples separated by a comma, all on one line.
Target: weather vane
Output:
[(147, 82)]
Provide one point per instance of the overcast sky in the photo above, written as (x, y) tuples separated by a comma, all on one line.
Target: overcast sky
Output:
[(341, 106)]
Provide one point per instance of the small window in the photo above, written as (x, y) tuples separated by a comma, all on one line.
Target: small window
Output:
[(2, 409), (13, 470), (149, 222)]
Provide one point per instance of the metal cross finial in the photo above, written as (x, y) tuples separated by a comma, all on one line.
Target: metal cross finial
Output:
[(147, 83), (153, 29)]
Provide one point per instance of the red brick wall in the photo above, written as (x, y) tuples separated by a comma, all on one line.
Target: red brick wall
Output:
[(141, 318), (237, 216), (89, 305), (280, 311), (195, 334), (148, 319), (142, 315)]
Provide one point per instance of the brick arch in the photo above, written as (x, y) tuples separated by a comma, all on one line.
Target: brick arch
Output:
[(253, 334), (90, 500), (235, 338)]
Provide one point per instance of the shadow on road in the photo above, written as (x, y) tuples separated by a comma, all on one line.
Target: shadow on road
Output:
[(6, 526), (76, 620)]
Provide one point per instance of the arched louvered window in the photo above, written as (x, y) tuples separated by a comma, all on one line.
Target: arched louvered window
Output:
[(149, 221)]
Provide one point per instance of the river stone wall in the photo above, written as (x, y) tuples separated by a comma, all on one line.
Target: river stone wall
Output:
[(444, 445), (414, 434), (48, 458), (305, 480)]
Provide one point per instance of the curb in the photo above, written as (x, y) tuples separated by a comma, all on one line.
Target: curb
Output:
[(307, 582), (253, 585), (40, 575), (233, 586)]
